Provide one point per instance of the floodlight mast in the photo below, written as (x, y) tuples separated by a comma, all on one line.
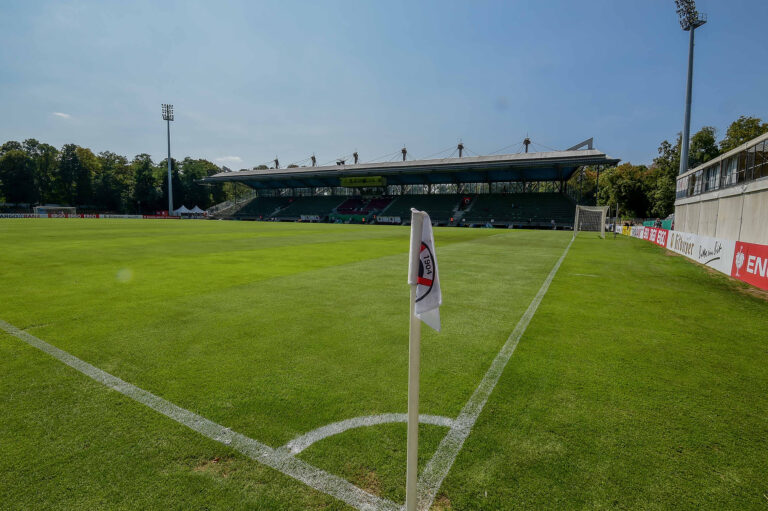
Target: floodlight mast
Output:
[(168, 117), (690, 20)]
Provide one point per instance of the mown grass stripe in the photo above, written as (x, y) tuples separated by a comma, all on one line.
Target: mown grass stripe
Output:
[(441, 462)]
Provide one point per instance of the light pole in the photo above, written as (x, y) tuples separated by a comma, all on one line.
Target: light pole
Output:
[(168, 117), (690, 20)]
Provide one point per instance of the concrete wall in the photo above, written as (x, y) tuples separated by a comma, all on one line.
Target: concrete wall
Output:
[(708, 214), (729, 217), (737, 213), (692, 220), (681, 214), (754, 228)]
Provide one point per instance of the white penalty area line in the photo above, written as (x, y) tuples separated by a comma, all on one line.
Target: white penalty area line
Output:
[(278, 459), (438, 467)]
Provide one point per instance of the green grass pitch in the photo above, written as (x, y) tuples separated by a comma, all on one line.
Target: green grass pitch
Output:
[(640, 383)]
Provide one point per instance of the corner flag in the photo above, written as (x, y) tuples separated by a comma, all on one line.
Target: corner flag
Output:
[(425, 301), (422, 271)]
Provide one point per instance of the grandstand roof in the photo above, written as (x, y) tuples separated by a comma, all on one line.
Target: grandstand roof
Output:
[(543, 166)]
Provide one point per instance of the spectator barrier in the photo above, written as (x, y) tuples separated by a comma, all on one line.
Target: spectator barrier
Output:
[(737, 259)]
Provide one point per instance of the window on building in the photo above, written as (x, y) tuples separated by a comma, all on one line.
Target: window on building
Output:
[(761, 160), (699, 182), (728, 176), (742, 172), (712, 177), (749, 174)]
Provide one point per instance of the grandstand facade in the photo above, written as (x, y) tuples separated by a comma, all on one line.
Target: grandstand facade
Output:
[(520, 190), (727, 197)]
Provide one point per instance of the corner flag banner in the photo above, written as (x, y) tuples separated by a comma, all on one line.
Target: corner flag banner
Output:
[(428, 296)]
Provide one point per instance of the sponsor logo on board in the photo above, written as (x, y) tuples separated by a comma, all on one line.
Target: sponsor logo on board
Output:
[(750, 264)]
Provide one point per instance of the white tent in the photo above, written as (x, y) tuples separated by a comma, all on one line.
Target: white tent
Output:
[(181, 211), (196, 210)]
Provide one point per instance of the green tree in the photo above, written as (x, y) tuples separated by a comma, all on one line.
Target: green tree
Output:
[(68, 171), (11, 145), (112, 182), (88, 167), (662, 178), (45, 166), (194, 193), (17, 178), (583, 182), (178, 188), (703, 147), (144, 192), (741, 130), (625, 185)]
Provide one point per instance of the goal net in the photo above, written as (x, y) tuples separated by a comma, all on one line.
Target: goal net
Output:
[(589, 218), (55, 211)]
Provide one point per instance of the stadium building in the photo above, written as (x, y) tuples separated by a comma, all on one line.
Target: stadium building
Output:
[(727, 197), (528, 190)]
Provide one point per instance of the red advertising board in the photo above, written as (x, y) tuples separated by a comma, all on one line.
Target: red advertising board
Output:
[(750, 264), (656, 235)]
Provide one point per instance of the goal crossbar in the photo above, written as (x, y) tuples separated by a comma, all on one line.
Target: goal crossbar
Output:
[(590, 218)]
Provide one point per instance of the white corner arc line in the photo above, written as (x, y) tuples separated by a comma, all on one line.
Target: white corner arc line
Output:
[(280, 460), (441, 462), (300, 443)]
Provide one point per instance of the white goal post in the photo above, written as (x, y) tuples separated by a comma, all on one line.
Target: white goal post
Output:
[(53, 210), (590, 218)]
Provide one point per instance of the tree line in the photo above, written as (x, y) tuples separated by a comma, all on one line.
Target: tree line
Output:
[(32, 172), (649, 191)]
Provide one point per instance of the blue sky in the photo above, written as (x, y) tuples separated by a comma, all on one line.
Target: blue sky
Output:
[(254, 80)]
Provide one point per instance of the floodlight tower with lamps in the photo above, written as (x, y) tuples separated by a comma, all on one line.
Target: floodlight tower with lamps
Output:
[(690, 20), (168, 117)]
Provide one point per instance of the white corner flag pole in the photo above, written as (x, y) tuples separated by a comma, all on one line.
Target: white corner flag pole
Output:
[(414, 355)]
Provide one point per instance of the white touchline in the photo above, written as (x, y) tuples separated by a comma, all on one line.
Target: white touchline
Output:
[(279, 460), (441, 462), (282, 459), (300, 443)]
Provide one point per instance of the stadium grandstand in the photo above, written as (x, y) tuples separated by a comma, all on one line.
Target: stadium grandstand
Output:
[(525, 190)]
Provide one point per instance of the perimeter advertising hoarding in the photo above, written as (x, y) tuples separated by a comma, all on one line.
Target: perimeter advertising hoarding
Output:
[(750, 264), (388, 219), (717, 253), (656, 235)]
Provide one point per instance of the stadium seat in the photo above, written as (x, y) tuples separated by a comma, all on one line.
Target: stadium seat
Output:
[(260, 207), (440, 207), (321, 206), (535, 209)]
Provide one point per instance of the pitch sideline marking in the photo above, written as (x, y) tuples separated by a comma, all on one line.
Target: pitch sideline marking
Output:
[(300, 443), (280, 460), (441, 462)]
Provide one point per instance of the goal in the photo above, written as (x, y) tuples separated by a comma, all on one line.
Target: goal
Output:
[(590, 218), (55, 211)]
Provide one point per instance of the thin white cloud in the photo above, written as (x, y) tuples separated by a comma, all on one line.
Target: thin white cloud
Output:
[(62, 115), (229, 159)]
